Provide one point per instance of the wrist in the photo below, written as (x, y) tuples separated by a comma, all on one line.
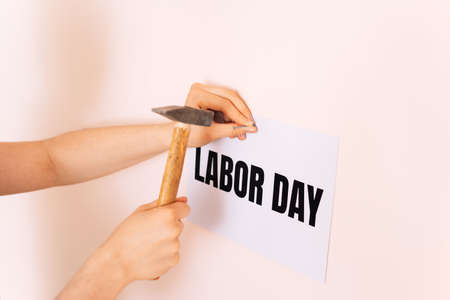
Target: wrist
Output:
[(158, 137), (167, 131), (106, 267), (101, 277)]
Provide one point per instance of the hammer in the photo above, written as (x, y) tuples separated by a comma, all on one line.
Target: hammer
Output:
[(184, 117)]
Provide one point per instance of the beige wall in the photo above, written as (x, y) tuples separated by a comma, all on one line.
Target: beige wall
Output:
[(374, 73)]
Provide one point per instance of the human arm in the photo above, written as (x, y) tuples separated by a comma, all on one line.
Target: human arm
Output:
[(91, 153), (78, 156), (144, 246)]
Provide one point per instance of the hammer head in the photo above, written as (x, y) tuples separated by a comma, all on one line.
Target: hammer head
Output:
[(186, 114)]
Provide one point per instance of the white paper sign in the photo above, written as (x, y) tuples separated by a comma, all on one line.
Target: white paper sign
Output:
[(273, 193)]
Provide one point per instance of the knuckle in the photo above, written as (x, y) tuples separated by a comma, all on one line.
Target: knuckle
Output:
[(233, 93), (174, 232), (180, 226), (195, 89), (141, 207), (195, 85), (175, 259), (193, 95), (178, 229), (176, 246)]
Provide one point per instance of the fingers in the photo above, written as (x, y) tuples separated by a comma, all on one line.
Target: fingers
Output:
[(202, 98), (235, 120), (179, 209), (214, 102), (154, 204), (231, 130), (229, 94), (181, 199), (148, 206)]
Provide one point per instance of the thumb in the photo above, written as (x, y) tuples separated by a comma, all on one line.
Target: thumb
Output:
[(230, 130), (148, 206)]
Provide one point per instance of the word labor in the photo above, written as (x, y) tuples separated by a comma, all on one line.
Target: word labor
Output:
[(224, 180), (228, 175)]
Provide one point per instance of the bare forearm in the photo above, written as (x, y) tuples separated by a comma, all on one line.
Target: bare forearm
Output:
[(87, 154), (100, 278), (90, 153), (24, 167)]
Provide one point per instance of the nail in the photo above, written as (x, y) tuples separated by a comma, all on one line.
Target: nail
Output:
[(250, 123), (248, 128)]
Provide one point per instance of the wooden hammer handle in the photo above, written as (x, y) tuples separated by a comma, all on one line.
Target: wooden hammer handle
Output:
[(174, 164)]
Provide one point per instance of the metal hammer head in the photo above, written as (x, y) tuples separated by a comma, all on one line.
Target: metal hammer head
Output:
[(186, 114)]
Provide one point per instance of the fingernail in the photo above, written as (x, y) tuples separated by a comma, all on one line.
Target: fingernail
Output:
[(247, 128)]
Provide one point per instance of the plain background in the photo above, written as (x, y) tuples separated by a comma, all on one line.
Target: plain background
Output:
[(374, 73)]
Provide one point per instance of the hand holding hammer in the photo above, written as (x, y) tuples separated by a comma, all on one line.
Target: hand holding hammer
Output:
[(224, 117)]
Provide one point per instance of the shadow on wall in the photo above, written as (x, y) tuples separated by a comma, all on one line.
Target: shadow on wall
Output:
[(72, 40)]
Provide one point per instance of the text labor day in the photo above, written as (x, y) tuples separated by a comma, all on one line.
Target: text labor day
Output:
[(248, 182)]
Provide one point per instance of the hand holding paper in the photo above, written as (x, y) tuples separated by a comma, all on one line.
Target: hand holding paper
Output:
[(236, 112)]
